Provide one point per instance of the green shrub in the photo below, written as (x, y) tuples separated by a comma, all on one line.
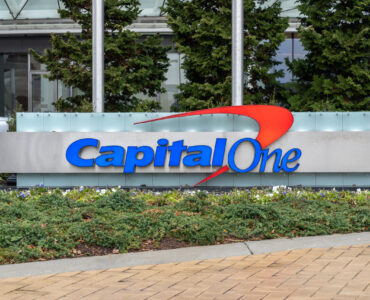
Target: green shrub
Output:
[(46, 224)]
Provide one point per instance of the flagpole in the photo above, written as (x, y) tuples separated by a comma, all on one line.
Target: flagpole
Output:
[(98, 55), (237, 52)]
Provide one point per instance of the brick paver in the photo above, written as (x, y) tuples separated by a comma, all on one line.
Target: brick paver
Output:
[(333, 273)]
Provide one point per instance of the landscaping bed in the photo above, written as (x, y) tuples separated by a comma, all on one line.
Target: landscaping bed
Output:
[(42, 224)]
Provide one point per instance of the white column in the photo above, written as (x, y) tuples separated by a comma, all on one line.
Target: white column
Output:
[(98, 55), (237, 52)]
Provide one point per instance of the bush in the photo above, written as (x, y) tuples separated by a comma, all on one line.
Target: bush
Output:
[(46, 224), (334, 74)]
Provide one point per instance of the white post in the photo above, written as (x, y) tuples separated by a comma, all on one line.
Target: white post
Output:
[(98, 55), (237, 52)]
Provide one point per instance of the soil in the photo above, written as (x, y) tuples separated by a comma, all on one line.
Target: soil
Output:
[(86, 250), (165, 244), (83, 249), (150, 245)]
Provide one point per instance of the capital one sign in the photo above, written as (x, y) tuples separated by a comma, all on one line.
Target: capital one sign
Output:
[(273, 121), (270, 150)]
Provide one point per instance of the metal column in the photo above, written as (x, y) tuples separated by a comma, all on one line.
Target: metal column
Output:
[(2, 86), (98, 55), (237, 52)]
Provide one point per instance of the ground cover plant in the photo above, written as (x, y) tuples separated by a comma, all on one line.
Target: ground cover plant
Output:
[(39, 223)]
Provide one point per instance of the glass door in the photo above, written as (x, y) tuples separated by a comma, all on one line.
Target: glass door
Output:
[(42, 92), (13, 83)]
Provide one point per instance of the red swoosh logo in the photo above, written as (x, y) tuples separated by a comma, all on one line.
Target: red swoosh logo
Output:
[(274, 122)]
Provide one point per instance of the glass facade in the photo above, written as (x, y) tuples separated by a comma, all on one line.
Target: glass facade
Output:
[(22, 82), (151, 8), (29, 9), (174, 77), (42, 94), (291, 48), (289, 8), (4, 11), (40, 9), (23, 86), (48, 9)]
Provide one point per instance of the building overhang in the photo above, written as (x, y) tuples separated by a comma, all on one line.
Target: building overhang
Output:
[(144, 25)]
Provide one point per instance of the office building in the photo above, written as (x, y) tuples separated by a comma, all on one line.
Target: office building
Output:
[(26, 24)]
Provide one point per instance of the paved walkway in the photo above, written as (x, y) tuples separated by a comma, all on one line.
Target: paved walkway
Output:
[(323, 273)]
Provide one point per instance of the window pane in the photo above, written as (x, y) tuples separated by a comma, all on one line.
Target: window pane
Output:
[(150, 7), (36, 66), (4, 11), (13, 83), (172, 82), (63, 91), (284, 51), (42, 94), (40, 9), (288, 7), (299, 51), (77, 92), (291, 49)]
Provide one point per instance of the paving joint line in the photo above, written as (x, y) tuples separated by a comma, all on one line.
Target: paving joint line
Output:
[(364, 289), (224, 293), (178, 294), (249, 249), (354, 277)]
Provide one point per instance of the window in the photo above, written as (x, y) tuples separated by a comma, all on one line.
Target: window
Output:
[(40, 9), (13, 83), (288, 7), (151, 7), (4, 11), (48, 9), (291, 48), (29, 9)]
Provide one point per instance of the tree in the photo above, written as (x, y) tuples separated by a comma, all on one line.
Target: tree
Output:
[(133, 64), (202, 31), (334, 75)]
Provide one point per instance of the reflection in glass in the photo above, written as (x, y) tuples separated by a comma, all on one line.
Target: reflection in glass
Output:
[(284, 51), (288, 7), (4, 11), (174, 77), (40, 9), (291, 48), (151, 7), (42, 94), (36, 66), (64, 92), (48, 9), (15, 6)]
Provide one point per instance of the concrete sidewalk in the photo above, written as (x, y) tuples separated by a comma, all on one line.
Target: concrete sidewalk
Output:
[(181, 255)]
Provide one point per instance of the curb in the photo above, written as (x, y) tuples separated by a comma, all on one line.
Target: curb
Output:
[(180, 255)]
